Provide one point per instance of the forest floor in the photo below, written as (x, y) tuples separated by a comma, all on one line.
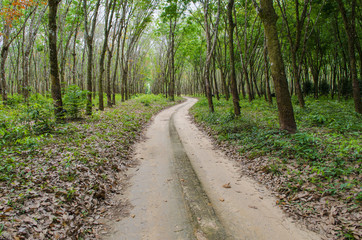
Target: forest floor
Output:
[(315, 174), (57, 185)]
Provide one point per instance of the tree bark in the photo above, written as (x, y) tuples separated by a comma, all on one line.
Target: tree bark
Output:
[(107, 28), (269, 18), (350, 28), (234, 90), (266, 70), (53, 60), (210, 46), (4, 55), (89, 36)]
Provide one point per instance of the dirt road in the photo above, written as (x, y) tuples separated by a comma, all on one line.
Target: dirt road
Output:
[(185, 189)]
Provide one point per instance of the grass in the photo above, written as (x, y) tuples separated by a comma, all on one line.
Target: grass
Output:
[(322, 158), (71, 167)]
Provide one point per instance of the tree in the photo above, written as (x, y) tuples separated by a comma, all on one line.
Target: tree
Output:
[(110, 6), (32, 32), (11, 13), (89, 37), (234, 90), (210, 47), (53, 60), (350, 28), (269, 18)]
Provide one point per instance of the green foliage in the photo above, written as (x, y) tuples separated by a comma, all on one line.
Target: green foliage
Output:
[(39, 115), (307, 87), (74, 101), (22, 123), (324, 87), (15, 100), (328, 141)]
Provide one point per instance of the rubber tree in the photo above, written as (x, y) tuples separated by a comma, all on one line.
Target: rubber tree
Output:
[(32, 33), (135, 25), (109, 13), (349, 21), (295, 40), (266, 71), (89, 39), (234, 90), (210, 47), (269, 18), (7, 39), (53, 60)]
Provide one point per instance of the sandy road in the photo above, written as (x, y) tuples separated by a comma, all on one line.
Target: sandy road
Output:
[(177, 190)]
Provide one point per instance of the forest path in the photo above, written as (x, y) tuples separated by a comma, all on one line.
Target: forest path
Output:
[(181, 191)]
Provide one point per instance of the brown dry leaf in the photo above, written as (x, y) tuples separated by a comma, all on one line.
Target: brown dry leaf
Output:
[(8, 209), (226, 185)]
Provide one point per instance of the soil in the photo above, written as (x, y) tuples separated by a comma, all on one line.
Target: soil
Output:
[(183, 188)]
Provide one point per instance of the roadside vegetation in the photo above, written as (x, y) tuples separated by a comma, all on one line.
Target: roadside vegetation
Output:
[(56, 178), (316, 173)]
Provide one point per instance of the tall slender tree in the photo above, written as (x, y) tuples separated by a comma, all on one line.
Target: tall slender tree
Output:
[(53, 60), (211, 39), (234, 90), (89, 39), (269, 18), (349, 21)]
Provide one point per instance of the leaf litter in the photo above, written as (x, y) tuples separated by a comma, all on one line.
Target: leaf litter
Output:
[(334, 216), (63, 188)]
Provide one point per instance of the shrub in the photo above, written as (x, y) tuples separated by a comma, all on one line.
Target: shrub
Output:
[(74, 101), (307, 87), (324, 87)]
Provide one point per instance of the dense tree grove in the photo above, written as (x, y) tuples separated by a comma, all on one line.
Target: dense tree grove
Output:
[(278, 83), (242, 48)]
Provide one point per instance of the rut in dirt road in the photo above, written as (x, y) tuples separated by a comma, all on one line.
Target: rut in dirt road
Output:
[(177, 191)]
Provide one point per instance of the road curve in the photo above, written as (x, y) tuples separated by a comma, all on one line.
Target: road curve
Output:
[(177, 190)]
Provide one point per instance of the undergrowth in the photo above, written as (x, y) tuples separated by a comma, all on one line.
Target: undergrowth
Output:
[(326, 151), (72, 167)]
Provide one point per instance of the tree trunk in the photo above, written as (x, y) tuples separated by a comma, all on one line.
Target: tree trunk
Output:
[(4, 55), (210, 46), (74, 70), (296, 74), (285, 108), (315, 75), (107, 27), (266, 70), (53, 60), (172, 61), (215, 79), (89, 40), (224, 85), (234, 90), (350, 28)]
